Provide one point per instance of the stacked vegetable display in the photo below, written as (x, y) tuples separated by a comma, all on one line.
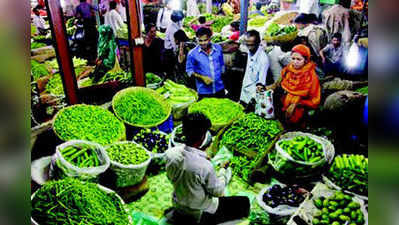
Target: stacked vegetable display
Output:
[(221, 111), (218, 38), (350, 172), (275, 29), (127, 153), (38, 70), (258, 21), (288, 195), (87, 122), (35, 45), (177, 94), (82, 156), (141, 107), (250, 136), (154, 141), (303, 148), (74, 202), (337, 209)]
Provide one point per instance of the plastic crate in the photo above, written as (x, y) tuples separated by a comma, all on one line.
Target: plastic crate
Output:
[(331, 2)]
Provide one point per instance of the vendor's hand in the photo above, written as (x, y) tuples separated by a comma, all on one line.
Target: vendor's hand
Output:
[(207, 80), (290, 110), (260, 88)]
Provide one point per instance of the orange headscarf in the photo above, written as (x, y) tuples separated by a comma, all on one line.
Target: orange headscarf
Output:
[(302, 85)]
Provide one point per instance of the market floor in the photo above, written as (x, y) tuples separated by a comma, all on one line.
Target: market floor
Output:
[(149, 209)]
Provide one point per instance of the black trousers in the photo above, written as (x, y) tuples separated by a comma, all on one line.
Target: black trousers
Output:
[(219, 94), (230, 208)]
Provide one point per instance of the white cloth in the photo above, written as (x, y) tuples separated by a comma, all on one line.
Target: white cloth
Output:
[(39, 22), (194, 179), (256, 72), (310, 7), (275, 65), (192, 8), (113, 19), (169, 36), (164, 18), (122, 11), (209, 6)]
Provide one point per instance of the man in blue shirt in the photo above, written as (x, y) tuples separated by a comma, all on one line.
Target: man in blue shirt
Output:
[(205, 63)]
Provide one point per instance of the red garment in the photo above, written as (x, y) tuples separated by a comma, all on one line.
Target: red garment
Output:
[(235, 36), (303, 50)]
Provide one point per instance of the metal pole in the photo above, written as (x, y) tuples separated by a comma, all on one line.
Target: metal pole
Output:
[(244, 16), (58, 31)]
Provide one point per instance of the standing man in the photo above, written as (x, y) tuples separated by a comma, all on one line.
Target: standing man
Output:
[(39, 22), (169, 56), (205, 63), (86, 13), (164, 18), (257, 67), (198, 189), (113, 18)]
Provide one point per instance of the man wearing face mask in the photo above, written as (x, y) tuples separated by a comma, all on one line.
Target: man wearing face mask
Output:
[(257, 67), (205, 63)]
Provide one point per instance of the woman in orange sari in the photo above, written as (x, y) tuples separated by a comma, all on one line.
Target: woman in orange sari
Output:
[(300, 84)]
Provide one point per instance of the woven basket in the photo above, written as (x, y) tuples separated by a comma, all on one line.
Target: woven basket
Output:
[(132, 90), (281, 38), (121, 138)]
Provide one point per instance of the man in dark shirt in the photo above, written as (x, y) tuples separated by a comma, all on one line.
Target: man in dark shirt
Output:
[(85, 13), (152, 49)]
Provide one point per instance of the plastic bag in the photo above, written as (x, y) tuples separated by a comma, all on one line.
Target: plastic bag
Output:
[(221, 158), (129, 175), (60, 167), (264, 104), (283, 163)]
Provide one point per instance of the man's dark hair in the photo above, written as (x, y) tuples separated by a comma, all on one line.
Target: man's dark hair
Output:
[(337, 36), (180, 36), (83, 0), (148, 27), (195, 126), (36, 9), (204, 31), (255, 34), (235, 25), (202, 19), (258, 6), (112, 5)]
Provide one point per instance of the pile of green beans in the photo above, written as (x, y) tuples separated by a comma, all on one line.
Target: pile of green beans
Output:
[(82, 156), (74, 202), (303, 148)]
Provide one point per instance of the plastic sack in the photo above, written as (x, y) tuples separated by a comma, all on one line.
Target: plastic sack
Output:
[(221, 158), (280, 210), (307, 209), (129, 175), (264, 104), (283, 163), (60, 167)]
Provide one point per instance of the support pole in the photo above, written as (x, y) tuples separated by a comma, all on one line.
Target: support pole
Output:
[(244, 16), (136, 51), (64, 59)]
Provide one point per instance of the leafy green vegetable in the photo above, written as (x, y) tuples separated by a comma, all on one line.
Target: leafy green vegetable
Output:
[(127, 153), (140, 107), (54, 85), (363, 90), (258, 21), (74, 202), (220, 22), (35, 45), (77, 62), (217, 38), (121, 76), (275, 29), (218, 110), (87, 122), (350, 172), (259, 217), (152, 78), (38, 70), (177, 93)]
